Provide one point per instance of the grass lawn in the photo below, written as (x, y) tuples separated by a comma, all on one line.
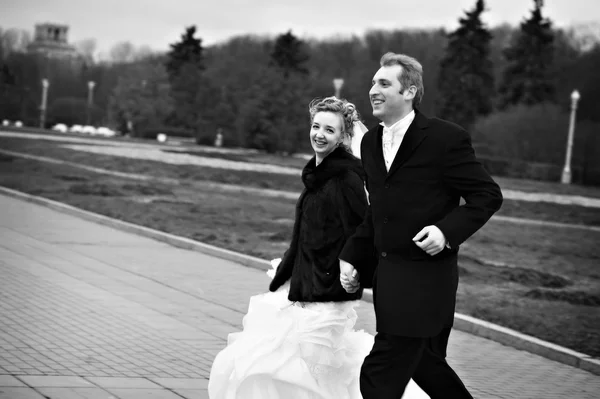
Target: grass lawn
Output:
[(191, 173), (533, 186), (551, 212), (29, 145), (550, 288)]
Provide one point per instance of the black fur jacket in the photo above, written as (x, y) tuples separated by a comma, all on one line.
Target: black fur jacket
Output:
[(331, 206)]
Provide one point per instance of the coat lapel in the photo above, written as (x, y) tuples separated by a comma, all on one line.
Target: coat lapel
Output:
[(414, 136), (379, 160)]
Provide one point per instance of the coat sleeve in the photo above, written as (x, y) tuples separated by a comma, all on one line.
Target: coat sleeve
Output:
[(358, 229), (352, 203), (285, 268), (465, 176)]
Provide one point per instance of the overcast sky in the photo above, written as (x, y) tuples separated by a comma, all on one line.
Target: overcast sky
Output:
[(159, 22)]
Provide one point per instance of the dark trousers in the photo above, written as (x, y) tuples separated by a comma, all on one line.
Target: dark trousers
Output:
[(394, 360)]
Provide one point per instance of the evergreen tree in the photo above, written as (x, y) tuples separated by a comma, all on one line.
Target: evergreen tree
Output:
[(527, 78), (466, 79), (275, 117), (289, 55), (184, 66), (281, 125), (188, 51)]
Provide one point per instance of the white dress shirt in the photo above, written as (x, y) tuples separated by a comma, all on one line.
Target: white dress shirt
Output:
[(393, 136)]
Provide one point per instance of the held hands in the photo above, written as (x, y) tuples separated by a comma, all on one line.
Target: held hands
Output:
[(431, 240), (349, 277)]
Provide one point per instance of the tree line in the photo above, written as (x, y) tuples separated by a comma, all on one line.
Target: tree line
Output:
[(509, 86)]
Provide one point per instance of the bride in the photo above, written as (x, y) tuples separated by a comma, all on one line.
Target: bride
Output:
[(298, 340)]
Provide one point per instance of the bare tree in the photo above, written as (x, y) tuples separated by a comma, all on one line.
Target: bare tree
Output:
[(122, 52), (87, 49), (143, 52), (14, 39), (585, 36)]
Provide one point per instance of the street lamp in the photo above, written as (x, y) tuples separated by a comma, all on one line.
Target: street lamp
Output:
[(90, 101), (566, 173), (337, 84), (45, 84)]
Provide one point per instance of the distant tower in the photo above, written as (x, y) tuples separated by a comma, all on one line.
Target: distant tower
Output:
[(51, 40)]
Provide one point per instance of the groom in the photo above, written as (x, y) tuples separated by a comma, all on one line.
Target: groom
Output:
[(417, 170)]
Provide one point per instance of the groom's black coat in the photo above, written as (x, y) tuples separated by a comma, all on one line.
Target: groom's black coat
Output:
[(415, 293)]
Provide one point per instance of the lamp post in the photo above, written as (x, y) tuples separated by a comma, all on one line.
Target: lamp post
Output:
[(45, 85), (337, 85), (43, 105), (90, 101), (566, 173)]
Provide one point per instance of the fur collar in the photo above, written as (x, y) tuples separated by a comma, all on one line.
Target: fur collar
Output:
[(337, 163)]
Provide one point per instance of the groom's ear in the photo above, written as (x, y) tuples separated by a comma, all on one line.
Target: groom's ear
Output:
[(410, 93)]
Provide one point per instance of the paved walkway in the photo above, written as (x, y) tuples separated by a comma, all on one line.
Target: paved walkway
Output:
[(87, 311)]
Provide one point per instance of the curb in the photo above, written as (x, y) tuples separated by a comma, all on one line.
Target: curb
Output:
[(462, 322)]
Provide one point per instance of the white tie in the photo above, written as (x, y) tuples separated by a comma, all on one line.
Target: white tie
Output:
[(388, 142)]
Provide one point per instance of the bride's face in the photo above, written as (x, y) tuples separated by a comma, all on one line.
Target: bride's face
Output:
[(325, 132)]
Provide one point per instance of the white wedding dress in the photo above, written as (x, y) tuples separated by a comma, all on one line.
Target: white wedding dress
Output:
[(292, 350)]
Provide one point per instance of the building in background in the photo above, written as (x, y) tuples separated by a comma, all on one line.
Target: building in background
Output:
[(51, 40)]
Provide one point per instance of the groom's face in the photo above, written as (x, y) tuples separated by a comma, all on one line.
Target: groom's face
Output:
[(386, 99)]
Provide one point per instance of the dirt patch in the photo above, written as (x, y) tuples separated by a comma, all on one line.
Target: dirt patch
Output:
[(72, 178), (533, 278), (573, 297), (96, 189), (144, 189), (278, 236), (493, 274), (122, 190)]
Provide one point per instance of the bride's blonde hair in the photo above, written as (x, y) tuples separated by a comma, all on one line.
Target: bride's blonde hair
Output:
[(346, 110)]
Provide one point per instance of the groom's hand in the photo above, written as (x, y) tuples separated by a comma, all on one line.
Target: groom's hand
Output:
[(431, 240)]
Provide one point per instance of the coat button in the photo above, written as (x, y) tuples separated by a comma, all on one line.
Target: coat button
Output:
[(387, 186), (385, 220), (383, 254)]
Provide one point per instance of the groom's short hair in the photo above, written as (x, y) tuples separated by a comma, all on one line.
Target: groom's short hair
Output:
[(411, 75)]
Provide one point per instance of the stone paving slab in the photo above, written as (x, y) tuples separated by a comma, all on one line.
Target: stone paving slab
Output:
[(144, 394), (19, 393), (182, 383), (41, 381), (193, 393), (10, 381), (105, 309), (123, 382), (76, 393)]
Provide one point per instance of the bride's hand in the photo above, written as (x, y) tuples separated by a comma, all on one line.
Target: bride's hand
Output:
[(274, 265), (350, 283)]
